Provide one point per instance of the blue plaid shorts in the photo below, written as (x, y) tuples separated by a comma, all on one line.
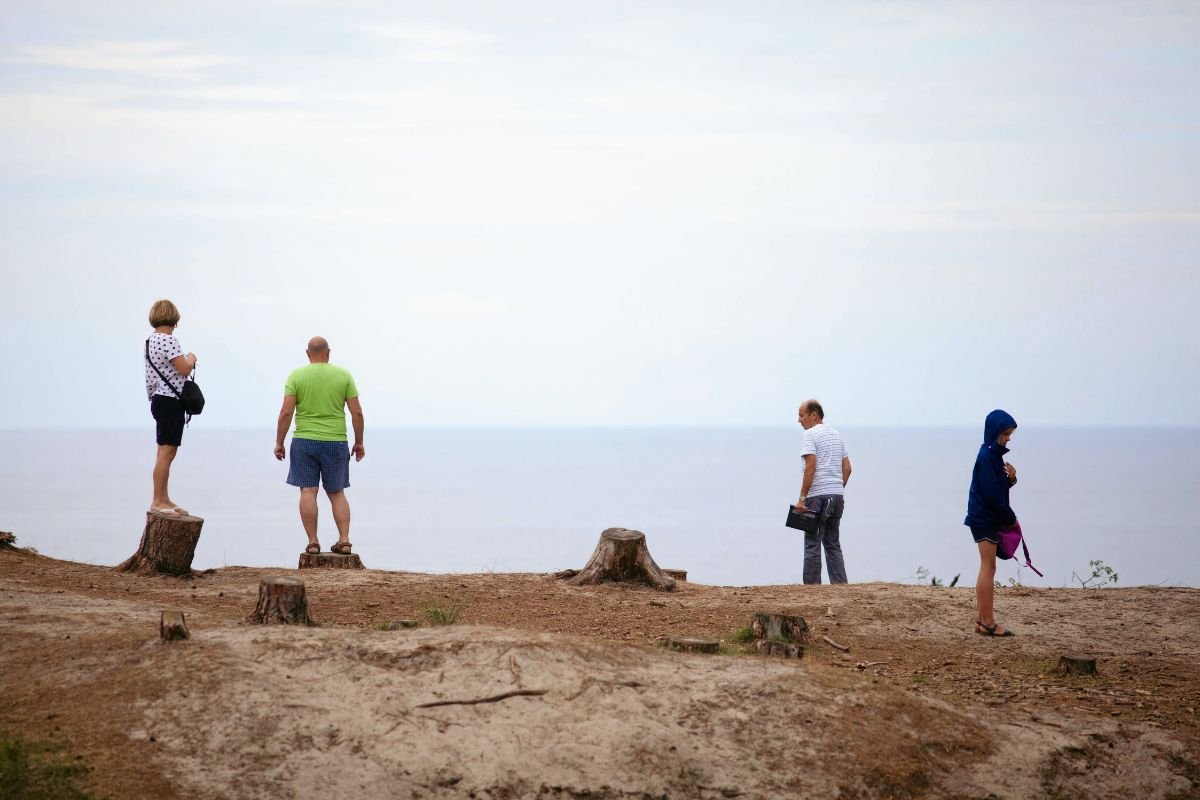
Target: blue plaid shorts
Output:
[(325, 462)]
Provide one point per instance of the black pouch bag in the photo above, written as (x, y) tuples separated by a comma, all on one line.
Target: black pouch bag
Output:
[(191, 398), (807, 521)]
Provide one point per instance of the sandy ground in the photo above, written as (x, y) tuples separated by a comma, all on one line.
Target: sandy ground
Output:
[(920, 706)]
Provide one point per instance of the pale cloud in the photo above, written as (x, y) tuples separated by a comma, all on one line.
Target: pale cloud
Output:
[(448, 306), (432, 44), (145, 58)]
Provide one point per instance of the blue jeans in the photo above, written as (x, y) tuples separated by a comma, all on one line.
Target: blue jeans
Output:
[(829, 508)]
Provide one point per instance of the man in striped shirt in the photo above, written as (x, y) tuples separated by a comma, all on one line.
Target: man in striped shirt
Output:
[(826, 473)]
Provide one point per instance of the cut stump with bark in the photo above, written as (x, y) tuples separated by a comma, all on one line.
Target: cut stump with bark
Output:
[(281, 601), (622, 556), (172, 626), (786, 627), (167, 546), (772, 647), (1076, 665), (677, 574), (693, 644), (330, 561)]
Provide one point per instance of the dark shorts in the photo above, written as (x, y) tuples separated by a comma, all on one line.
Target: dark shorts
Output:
[(324, 463), (985, 535), (168, 416)]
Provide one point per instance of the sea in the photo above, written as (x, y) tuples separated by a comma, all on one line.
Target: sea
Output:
[(711, 501)]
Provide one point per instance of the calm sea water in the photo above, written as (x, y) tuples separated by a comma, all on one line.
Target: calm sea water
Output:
[(711, 501)]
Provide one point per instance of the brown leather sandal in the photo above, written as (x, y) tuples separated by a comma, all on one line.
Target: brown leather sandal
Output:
[(313, 549), (340, 548)]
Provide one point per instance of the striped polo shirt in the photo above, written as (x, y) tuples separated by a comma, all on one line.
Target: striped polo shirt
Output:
[(827, 445)]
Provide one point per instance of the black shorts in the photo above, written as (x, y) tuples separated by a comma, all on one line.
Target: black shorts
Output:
[(989, 534), (168, 414)]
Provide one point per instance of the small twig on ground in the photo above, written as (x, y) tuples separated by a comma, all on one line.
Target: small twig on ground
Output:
[(865, 664), (492, 699), (835, 645)]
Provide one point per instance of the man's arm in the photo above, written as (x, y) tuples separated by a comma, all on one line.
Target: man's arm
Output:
[(285, 422), (810, 472), (356, 420), (845, 470)]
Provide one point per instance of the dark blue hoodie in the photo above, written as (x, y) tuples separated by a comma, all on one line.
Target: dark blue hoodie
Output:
[(987, 504)]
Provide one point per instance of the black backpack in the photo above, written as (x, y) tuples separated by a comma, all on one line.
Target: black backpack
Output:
[(191, 398)]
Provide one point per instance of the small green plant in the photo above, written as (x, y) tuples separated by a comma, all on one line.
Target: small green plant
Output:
[(742, 636), (1012, 583), (35, 772), (1102, 575), (436, 614), (923, 573)]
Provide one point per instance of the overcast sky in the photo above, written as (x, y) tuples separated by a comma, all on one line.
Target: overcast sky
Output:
[(582, 213)]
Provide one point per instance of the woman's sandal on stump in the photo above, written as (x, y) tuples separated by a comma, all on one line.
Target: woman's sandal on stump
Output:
[(340, 548), (990, 630), (313, 549)]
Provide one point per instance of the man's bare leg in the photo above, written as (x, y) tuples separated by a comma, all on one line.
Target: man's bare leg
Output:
[(341, 515), (162, 476), (308, 512)]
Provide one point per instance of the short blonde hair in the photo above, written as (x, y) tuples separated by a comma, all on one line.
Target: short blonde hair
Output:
[(163, 312)]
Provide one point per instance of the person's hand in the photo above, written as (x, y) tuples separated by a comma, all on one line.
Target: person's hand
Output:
[(1011, 472), (360, 452), (280, 453), (192, 356)]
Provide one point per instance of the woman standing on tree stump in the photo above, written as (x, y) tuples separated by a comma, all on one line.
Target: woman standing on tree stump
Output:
[(166, 361)]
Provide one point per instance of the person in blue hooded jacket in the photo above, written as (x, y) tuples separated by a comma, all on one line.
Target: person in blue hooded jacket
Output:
[(988, 511)]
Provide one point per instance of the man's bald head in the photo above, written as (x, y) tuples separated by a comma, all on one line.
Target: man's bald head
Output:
[(318, 349)]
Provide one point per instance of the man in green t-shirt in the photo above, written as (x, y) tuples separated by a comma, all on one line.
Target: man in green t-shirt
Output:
[(318, 395)]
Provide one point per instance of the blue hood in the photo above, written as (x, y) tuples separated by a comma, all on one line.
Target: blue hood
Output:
[(995, 424)]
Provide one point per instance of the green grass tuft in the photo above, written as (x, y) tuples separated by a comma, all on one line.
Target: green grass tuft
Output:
[(442, 615), (36, 772)]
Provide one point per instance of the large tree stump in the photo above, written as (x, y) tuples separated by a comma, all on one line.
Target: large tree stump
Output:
[(168, 544), (330, 561), (622, 555), (772, 647), (780, 627), (677, 574), (1076, 665), (281, 601), (172, 626)]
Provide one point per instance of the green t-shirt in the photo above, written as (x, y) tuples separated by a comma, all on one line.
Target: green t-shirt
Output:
[(321, 391)]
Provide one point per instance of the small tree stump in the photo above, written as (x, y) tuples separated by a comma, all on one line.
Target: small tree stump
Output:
[(168, 544), (622, 556), (693, 644), (677, 574), (172, 626), (786, 627), (400, 624), (281, 601), (772, 647), (330, 561), (1076, 665)]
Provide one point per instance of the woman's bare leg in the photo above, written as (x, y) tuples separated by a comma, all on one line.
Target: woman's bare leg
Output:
[(985, 586), (162, 476)]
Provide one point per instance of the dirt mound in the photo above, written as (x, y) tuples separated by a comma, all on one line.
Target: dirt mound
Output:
[(558, 691)]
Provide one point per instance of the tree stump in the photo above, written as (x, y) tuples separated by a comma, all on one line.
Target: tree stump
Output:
[(693, 644), (785, 627), (168, 544), (677, 574), (622, 556), (281, 601), (172, 626), (773, 647), (1076, 665), (330, 561)]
